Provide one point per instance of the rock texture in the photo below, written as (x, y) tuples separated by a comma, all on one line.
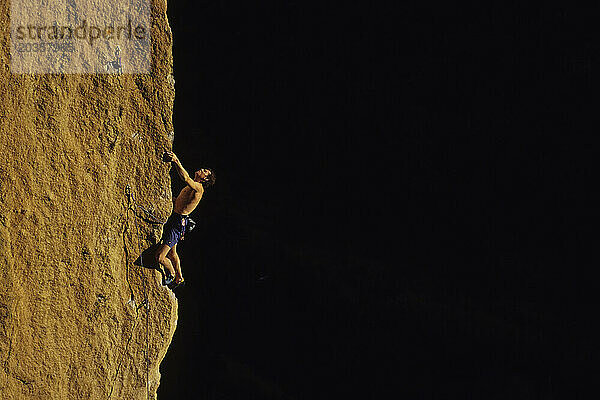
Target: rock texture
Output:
[(77, 319)]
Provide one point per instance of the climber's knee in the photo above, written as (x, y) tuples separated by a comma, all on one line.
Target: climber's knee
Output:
[(161, 254)]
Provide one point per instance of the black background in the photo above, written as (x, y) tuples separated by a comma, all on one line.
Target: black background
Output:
[(405, 202)]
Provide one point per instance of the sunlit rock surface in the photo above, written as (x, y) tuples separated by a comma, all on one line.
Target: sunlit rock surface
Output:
[(77, 319)]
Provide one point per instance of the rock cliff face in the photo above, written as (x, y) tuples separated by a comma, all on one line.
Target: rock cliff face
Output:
[(81, 156)]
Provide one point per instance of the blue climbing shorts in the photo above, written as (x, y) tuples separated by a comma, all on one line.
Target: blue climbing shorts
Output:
[(174, 229)]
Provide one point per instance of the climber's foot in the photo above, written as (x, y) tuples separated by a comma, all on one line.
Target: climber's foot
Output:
[(167, 279), (178, 279), (176, 282), (174, 285)]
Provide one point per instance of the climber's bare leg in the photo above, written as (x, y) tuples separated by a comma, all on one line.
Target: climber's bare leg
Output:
[(161, 257), (174, 258)]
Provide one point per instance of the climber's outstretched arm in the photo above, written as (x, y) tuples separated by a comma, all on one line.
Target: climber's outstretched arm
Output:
[(170, 156)]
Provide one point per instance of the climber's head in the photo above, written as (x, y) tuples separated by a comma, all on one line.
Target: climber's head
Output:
[(205, 176)]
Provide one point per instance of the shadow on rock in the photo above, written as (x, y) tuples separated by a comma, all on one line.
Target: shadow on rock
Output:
[(148, 259)]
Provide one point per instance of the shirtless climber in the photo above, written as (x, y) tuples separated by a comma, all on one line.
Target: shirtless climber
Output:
[(175, 227)]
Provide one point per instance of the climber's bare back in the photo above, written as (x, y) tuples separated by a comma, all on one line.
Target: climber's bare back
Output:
[(187, 200)]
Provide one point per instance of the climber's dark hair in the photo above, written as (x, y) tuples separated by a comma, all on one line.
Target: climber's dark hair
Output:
[(210, 180)]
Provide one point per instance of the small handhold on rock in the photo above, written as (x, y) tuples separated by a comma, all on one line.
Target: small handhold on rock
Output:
[(131, 303)]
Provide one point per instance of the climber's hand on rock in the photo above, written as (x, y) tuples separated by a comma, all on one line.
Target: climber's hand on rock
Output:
[(169, 156)]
